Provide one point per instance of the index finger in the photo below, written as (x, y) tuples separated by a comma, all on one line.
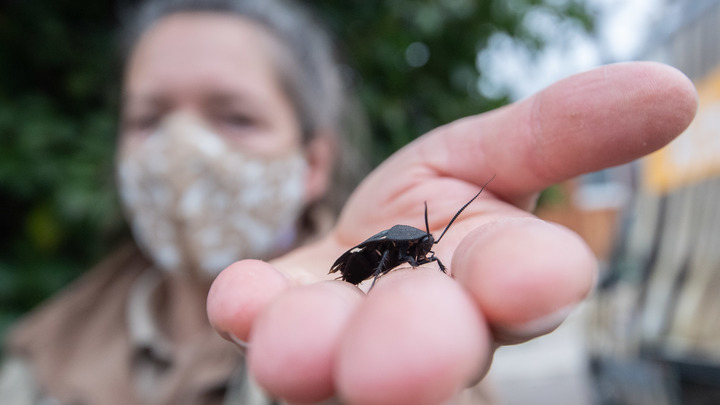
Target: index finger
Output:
[(590, 121)]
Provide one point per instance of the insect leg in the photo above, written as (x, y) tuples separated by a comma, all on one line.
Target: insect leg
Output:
[(411, 260), (434, 258), (408, 255), (424, 260), (379, 269), (444, 270)]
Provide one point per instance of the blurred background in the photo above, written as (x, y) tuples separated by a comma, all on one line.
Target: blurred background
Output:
[(415, 65)]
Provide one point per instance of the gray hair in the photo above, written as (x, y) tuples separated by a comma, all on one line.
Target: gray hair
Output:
[(312, 79)]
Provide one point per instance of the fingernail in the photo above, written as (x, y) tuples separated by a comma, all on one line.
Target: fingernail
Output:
[(534, 328), (241, 344)]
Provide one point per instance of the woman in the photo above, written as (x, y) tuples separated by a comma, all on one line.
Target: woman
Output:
[(230, 119)]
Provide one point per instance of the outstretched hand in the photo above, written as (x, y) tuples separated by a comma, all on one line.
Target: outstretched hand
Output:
[(420, 336)]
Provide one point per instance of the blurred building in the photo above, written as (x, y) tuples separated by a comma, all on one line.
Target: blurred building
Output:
[(655, 324)]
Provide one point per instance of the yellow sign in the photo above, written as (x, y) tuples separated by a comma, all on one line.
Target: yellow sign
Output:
[(694, 155)]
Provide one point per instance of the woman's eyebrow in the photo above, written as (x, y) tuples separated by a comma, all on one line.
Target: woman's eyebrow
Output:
[(226, 98), (145, 99)]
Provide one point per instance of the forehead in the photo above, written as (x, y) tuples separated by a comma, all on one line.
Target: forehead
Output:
[(203, 49)]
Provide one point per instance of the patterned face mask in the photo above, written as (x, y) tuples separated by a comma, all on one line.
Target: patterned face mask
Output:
[(196, 204)]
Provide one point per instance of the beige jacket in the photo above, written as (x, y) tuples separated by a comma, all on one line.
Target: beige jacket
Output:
[(122, 334)]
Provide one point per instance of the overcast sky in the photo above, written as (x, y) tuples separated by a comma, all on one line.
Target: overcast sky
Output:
[(622, 28)]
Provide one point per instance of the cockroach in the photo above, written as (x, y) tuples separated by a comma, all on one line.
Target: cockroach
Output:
[(386, 250)]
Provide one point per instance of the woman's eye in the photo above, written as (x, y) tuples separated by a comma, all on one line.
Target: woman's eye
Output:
[(142, 123), (237, 120)]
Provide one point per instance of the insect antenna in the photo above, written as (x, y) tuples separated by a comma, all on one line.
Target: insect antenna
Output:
[(460, 211), (427, 227)]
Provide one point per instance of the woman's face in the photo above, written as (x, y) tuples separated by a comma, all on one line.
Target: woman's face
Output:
[(217, 67)]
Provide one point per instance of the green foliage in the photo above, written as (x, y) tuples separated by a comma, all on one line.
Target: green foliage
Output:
[(414, 68), (404, 101), (58, 209)]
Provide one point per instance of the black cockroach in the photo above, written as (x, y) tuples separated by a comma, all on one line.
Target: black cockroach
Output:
[(390, 248)]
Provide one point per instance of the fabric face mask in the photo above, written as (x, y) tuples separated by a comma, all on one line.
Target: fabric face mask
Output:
[(196, 204)]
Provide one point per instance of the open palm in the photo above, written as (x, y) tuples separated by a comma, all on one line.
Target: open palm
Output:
[(420, 336)]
